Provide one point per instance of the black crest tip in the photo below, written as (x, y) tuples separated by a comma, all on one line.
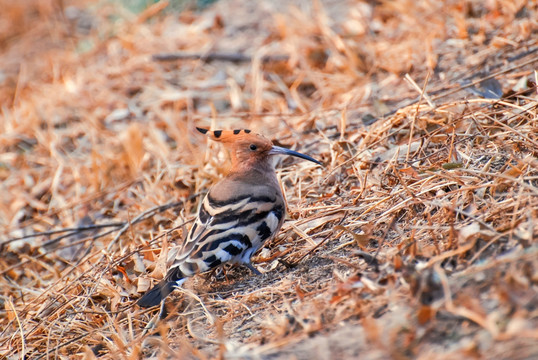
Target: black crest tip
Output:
[(203, 131)]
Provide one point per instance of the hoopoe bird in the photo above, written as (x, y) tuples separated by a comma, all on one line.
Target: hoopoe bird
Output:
[(237, 216)]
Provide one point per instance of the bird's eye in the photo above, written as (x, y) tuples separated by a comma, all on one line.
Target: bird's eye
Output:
[(253, 147)]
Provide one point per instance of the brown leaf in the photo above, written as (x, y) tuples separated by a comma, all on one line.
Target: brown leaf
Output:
[(361, 239)]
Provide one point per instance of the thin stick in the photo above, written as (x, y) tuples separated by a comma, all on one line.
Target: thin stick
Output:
[(422, 91), (143, 215), (216, 56), (74, 230), (58, 347), (23, 342)]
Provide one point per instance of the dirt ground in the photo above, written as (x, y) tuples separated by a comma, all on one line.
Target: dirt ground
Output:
[(417, 239)]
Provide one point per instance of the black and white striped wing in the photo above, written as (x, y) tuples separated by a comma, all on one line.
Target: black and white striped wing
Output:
[(230, 231)]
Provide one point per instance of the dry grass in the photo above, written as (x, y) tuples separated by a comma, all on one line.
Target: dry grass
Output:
[(417, 239)]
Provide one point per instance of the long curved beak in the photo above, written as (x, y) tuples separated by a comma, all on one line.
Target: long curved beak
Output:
[(277, 150)]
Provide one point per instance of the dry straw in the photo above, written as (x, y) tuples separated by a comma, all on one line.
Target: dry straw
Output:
[(417, 238)]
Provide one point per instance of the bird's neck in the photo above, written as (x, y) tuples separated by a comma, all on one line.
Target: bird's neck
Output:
[(260, 172)]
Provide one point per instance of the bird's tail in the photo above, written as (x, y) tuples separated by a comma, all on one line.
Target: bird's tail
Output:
[(159, 292)]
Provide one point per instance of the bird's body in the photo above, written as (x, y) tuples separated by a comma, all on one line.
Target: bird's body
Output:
[(238, 215)]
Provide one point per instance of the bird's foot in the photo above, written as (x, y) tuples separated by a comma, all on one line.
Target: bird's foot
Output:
[(253, 269)]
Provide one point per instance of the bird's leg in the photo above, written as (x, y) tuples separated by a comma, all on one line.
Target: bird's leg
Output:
[(253, 269), (159, 316), (162, 311)]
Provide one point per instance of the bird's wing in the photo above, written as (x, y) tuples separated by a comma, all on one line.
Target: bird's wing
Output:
[(230, 230)]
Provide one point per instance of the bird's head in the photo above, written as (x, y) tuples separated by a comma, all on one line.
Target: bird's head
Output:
[(248, 149)]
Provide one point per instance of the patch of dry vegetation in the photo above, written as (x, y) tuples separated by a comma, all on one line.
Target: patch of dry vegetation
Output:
[(417, 239)]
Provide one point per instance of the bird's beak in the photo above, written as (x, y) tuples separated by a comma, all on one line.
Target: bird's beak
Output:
[(277, 150)]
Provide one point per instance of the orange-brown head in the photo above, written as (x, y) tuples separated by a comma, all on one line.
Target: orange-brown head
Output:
[(248, 149)]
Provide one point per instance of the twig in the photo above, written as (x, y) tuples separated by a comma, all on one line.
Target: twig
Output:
[(78, 203), (58, 347), (23, 342), (421, 91), (73, 230), (462, 87), (384, 238), (216, 56), (146, 214), (531, 188), (478, 81), (310, 251)]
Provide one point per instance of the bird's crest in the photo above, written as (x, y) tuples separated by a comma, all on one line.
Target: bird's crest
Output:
[(234, 136)]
